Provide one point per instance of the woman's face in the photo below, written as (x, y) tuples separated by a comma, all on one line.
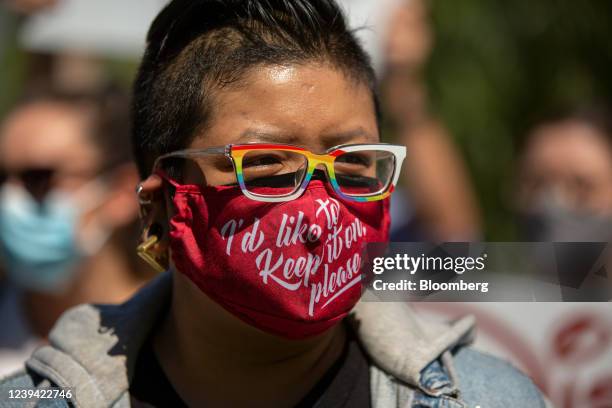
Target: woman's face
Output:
[(312, 106), (570, 160)]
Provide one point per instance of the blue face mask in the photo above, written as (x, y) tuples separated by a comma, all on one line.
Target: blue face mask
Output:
[(39, 240)]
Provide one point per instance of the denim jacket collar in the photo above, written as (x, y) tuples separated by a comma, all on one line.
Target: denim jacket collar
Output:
[(93, 348)]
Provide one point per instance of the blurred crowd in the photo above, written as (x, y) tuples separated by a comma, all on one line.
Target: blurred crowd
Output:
[(68, 213)]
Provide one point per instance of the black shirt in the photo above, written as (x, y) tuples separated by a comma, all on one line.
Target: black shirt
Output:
[(345, 384)]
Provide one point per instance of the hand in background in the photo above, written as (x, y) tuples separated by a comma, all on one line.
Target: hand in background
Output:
[(435, 173), (410, 38)]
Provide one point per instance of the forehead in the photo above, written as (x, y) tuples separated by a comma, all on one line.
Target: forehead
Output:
[(569, 147), (46, 134), (311, 105)]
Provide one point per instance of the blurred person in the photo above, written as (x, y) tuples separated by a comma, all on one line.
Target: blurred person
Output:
[(565, 177), (67, 213), (564, 194), (256, 134), (439, 203)]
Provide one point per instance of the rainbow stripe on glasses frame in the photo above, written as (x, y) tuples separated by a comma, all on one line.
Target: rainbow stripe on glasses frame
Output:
[(237, 152)]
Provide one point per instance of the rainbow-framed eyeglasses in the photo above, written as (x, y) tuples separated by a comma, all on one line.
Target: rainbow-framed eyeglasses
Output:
[(280, 172)]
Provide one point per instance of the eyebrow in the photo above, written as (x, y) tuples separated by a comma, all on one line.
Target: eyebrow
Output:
[(329, 139), (351, 136), (250, 136)]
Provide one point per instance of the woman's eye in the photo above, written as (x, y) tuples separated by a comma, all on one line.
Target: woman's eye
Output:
[(355, 159), (261, 161)]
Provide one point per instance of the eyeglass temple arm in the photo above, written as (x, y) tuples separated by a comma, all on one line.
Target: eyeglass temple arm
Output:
[(191, 152)]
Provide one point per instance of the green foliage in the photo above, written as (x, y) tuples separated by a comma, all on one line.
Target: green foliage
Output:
[(496, 64), (12, 63)]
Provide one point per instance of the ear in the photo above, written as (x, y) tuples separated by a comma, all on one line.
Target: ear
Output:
[(152, 201), (153, 247)]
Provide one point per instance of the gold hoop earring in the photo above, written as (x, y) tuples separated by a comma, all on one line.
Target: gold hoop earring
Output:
[(144, 251)]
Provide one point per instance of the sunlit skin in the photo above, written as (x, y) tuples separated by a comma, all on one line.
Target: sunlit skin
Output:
[(571, 161), (54, 136), (206, 352)]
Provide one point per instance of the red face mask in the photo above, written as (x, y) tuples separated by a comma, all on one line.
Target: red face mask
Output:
[(292, 269)]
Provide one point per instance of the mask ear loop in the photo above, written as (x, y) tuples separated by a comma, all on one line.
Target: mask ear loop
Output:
[(145, 250), (164, 176)]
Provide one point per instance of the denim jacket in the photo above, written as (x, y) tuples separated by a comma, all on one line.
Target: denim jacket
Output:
[(415, 364)]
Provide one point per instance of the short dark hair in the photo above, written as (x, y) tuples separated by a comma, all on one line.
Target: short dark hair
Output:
[(196, 47)]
